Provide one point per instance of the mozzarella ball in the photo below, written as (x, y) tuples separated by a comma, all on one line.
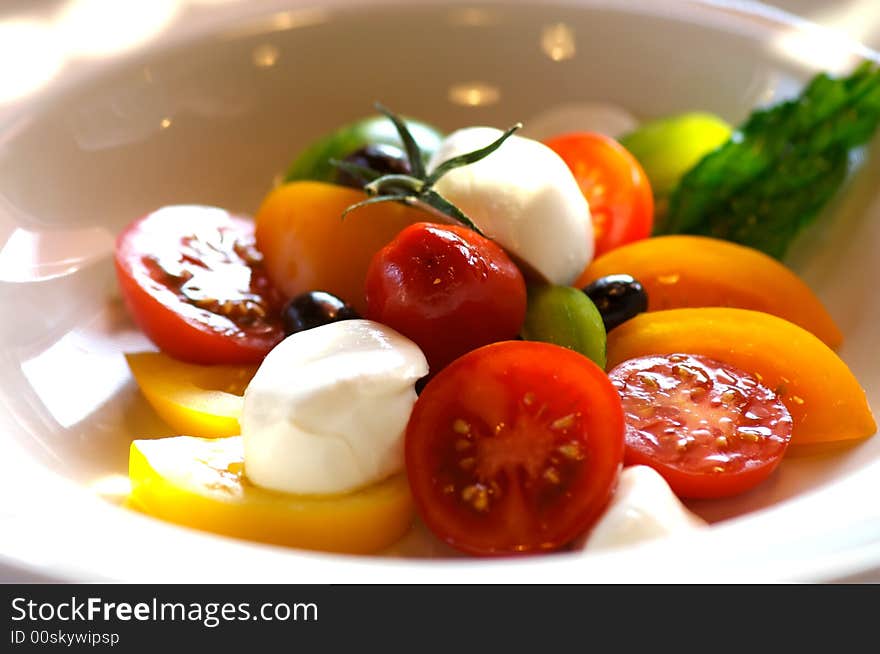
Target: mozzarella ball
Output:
[(327, 410), (523, 196), (643, 508)]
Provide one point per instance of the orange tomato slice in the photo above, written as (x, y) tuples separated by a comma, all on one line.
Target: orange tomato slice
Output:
[(697, 271)]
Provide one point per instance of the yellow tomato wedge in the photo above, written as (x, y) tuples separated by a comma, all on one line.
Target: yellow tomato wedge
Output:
[(307, 245), (697, 271), (200, 483), (824, 398), (199, 400)]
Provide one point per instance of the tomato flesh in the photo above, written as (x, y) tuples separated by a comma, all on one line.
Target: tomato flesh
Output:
[(514, 448), (710, 429), (194, 282), (615, 185), (448, 289)]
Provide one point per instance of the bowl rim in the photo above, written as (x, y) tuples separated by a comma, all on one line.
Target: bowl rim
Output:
[(138, 548)]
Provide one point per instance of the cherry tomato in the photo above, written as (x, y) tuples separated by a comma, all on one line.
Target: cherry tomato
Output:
[(514, 448), (615, 185), (709, 428), (194, 283), (448, 289)]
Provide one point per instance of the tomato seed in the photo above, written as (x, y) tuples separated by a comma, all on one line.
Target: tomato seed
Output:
[(481, 501), (648, 381), (552, 475), (698, 394), (565, 422), (477, 496), (459, 426), (254, 307), (749, 434), (571, 451), (683, 372)]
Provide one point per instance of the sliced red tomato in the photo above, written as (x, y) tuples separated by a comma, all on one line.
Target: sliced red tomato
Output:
[(193, 281), (615, 185), (710, 429), (514, 448)]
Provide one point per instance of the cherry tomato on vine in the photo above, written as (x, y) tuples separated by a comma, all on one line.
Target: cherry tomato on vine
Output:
[(514, 448), (193, 281), (615, 185), (448, 289), (710, 429)]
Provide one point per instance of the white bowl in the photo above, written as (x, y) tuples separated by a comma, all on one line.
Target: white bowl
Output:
[(214, 108)]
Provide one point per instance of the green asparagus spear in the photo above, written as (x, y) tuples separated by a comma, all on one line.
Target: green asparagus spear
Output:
[(781, 167)]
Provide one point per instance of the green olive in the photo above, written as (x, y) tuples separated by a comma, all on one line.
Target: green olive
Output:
[(565, 316), (313, 163)]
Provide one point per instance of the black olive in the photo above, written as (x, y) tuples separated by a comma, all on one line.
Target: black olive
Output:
[(618, 298), (314, 309), (385, 159), (421, 383)]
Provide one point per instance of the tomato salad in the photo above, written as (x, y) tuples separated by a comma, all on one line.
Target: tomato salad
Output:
[(511, 339)]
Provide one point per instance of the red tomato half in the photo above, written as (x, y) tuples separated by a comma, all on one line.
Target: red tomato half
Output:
[(616, 187), (711, 430), (448, 289), (514, 448), (193, 281)]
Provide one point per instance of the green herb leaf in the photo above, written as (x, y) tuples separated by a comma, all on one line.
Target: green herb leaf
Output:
[(394, 184), (377, 199), (437, 202), (781, 167), (469, 157), (413, 152)]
